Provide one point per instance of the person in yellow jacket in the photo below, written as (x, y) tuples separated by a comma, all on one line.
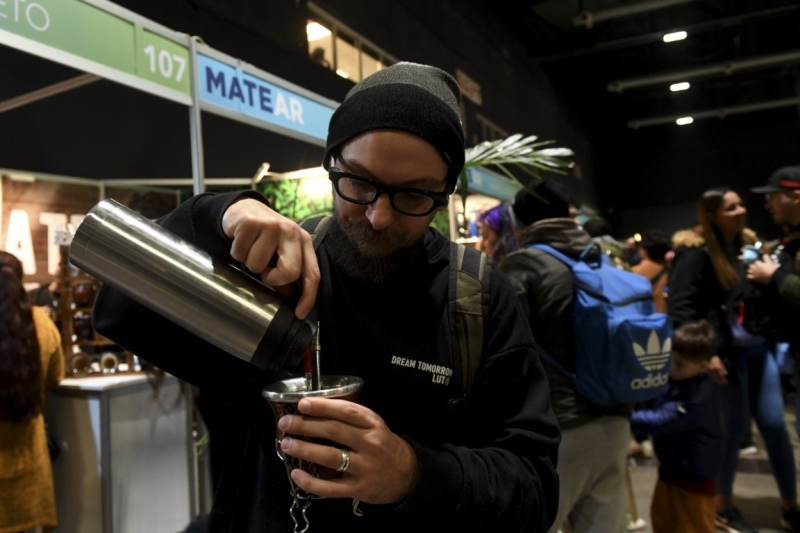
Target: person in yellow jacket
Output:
[(31, 361)]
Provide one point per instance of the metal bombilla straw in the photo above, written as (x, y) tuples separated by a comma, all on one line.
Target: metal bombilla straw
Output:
[(312, 363), (316, 363)]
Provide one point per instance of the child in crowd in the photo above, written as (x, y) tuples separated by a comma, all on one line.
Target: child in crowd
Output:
[(685, 427)]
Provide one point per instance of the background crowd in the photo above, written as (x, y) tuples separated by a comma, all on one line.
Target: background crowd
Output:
[(732, 350)]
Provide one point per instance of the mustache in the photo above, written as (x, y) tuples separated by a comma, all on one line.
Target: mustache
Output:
[(364, 237)]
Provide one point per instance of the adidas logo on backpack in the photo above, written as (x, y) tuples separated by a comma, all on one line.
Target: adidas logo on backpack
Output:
[(623, 345), (654, 359)]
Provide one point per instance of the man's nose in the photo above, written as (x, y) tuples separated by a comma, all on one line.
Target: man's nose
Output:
[(380, 212)]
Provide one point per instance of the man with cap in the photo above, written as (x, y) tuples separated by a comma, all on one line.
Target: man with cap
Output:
[(777, 275), (783, 202), (378, 284), (595, 439)]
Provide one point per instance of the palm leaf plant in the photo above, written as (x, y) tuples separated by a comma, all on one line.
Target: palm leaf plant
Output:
[(528, 155)]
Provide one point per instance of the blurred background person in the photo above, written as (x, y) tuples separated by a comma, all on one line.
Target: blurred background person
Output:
[(496, 237), (654, 248), (48, 296), (707, 280), (600, 229), (318, 55), (594, 438), (685, 425), (31, 361)]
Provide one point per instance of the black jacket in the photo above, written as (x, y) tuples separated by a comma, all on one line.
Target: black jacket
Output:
[(685, 426), (491, 469), (695, 293), (546, 292)]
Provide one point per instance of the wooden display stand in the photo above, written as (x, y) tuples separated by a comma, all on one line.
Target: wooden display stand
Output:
[(76, 342)]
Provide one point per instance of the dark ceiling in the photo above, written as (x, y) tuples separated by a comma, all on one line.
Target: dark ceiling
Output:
[(609, 61)]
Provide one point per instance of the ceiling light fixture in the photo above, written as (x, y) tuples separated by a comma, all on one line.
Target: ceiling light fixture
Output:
[(682, 86), (721, 112), (719, 69), (674, 36), (684, 121)]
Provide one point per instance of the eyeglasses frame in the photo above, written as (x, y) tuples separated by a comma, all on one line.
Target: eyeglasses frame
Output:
[(440, 199)]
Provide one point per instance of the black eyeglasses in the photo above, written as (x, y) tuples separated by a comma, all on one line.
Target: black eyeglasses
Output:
[(405, 200)]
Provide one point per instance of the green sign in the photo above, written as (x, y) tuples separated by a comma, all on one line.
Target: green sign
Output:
[(162, 61), (91, 33)]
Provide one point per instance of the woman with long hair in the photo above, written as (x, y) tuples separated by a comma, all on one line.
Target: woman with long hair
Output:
[(708, 281), (31, 361)]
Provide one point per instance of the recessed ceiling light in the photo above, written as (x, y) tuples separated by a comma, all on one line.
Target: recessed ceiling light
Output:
[(682, 86), (684, 120), (674, 36)]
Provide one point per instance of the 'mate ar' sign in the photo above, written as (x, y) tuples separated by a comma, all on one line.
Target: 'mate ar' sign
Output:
[(240, 91)]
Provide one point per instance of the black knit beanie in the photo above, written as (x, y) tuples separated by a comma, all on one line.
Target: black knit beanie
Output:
[(552, 202), (419, 99)]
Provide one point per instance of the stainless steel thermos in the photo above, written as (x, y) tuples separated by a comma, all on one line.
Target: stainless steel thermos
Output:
[(217, 302)]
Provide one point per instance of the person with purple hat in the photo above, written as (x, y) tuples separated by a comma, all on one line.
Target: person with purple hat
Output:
[(497, 232)]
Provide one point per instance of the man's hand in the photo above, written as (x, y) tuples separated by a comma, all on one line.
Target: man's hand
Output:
[(275, 247), (382, 466), (762, 271)]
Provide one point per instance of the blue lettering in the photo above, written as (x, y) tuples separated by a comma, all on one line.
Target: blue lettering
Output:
[(265, 98), (215, 81), (250, 86), (236, 90)]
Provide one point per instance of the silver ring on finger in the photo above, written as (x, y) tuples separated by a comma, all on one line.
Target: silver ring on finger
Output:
[(345, 461)]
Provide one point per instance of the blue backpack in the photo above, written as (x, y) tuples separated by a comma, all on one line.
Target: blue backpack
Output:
[(623, 345)]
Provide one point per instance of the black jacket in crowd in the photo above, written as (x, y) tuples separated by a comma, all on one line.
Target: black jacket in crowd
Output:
[(491, 469), (685, 426), (695, 293), (546, 292)]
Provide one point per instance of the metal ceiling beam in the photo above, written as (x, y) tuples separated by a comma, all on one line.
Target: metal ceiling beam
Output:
[(46, 92), (720, 112), (720, 69), (587, 19), (656, 36)]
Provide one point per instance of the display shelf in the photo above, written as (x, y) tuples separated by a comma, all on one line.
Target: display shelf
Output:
[(78, 337)]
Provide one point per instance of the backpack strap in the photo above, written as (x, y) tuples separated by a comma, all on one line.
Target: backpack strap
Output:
[(552, 251), (469, 302), (317, 227), (658, 276)]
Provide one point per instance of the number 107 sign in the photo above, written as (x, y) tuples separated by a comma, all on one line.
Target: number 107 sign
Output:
[(162, 61)]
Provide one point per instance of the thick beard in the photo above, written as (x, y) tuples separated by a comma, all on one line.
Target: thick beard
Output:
[(359, 251)]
